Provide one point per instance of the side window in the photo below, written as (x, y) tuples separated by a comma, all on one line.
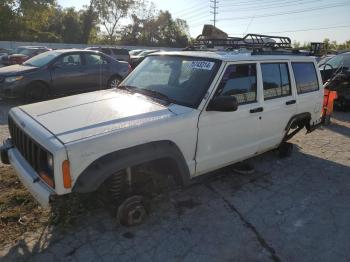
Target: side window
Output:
[(107, 51), (239, 81), (305, 77), (94, 59), (276, 80), (70, 60)]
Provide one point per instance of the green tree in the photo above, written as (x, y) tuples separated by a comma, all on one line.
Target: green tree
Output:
[(110, 13)]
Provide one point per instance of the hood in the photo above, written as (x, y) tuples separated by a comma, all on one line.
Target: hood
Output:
[(16, 70), (17, 56), (90, 114)]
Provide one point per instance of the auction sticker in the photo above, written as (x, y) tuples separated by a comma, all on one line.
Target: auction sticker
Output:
[(203, 65)]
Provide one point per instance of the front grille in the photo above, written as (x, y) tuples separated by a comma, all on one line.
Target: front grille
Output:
[(31, 151)]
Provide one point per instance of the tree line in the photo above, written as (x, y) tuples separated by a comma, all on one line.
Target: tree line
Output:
[(129, 22)]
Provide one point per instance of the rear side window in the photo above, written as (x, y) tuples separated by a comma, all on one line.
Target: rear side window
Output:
[(305, 77), (120, 52), (106, 51), (276, 80), (239, 81)]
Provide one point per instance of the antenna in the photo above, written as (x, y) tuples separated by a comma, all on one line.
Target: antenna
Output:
[(215, 8)]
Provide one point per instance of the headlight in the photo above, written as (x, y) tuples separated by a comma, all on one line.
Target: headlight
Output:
[(12, 79)]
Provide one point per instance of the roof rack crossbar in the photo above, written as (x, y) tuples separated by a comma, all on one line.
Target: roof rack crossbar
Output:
[(250, 41)]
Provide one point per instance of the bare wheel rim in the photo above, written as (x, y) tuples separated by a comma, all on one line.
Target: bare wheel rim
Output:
[(115, 83)]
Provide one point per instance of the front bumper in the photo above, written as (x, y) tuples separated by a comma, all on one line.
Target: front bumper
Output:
[(12, 90), (41, 192)]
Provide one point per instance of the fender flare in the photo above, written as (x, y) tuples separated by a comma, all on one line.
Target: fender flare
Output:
[(99, 170), (293, 121)]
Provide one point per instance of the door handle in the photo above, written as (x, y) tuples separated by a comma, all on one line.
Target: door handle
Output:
[(256, 110), (290, 102)]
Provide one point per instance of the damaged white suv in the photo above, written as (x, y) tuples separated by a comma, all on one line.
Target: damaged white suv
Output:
[(180, 113)]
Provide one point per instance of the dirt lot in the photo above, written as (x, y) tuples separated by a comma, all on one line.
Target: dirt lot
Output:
[(295, 209)]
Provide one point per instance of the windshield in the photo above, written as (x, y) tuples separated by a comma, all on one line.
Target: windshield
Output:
[(147, 52), (42, 59), (340, 60), (182, 80)]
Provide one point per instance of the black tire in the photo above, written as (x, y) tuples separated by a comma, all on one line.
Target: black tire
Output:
[(327, 120), (114, 82), (285, 149), (36, 92)]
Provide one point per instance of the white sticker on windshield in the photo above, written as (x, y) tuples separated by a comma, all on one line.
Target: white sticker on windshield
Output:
[(203, 65)]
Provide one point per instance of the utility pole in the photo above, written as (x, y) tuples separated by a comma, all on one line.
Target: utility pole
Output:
[(215, 8)]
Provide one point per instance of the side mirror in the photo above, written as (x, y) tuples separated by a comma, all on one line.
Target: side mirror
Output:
[(223, 104)]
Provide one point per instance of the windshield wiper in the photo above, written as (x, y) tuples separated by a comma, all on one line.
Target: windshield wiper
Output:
[(155, 94), (148, 92)]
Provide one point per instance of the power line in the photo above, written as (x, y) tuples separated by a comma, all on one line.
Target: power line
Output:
[(272, 6), (215, 8), (308, 29), (287, 13)]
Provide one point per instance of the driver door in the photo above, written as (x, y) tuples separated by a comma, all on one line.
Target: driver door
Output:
[(68, 74), (228, 137)]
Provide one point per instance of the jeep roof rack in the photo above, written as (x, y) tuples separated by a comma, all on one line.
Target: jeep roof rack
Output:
[(250, 41), (213, 39)]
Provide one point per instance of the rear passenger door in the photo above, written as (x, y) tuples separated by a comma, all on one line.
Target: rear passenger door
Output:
[(279, 103), (228, 137)]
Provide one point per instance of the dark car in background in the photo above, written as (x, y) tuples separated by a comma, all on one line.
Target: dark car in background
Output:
[(120, 54), (61, 72), (22, 54), (137, 59), (337, 71)]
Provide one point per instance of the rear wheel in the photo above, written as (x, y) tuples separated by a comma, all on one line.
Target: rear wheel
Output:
[(285, 149), (36, 92), (114, 82)]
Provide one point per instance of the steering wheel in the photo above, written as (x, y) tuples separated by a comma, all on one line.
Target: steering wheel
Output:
[(325, 65)]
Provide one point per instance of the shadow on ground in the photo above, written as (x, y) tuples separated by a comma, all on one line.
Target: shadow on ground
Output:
[(295, 209)]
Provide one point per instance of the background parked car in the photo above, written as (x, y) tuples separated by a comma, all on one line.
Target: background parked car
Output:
[(135, 52), (61, 72), (22, 54), (135, 60), (337, 69), (120, 54)]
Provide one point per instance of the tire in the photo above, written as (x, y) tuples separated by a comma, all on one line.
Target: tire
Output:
[(114, 82), (327, 120), (285, 149), (36, 92)]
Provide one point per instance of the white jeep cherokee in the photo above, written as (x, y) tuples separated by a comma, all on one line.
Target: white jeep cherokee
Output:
[(184, 113)]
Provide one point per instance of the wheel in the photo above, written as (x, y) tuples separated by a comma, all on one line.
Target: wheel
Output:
[(132, 211), (114, 82), (36, 92), (285, 149), (327, 120)]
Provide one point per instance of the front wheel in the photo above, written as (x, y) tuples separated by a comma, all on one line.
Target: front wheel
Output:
[(36, 92), (114, 82), (285, 149)]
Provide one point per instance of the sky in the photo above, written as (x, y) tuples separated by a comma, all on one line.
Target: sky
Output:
[(301, 20)]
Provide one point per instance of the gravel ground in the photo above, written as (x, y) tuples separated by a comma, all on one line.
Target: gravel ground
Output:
[(294, 209)]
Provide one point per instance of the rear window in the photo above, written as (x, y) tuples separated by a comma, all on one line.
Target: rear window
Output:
[(305, 77), (120, 52)]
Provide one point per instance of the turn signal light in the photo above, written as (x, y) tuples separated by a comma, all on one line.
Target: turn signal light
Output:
[(67, 180)]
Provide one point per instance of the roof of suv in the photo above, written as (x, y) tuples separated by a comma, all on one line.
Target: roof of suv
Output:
[(235, 55)]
